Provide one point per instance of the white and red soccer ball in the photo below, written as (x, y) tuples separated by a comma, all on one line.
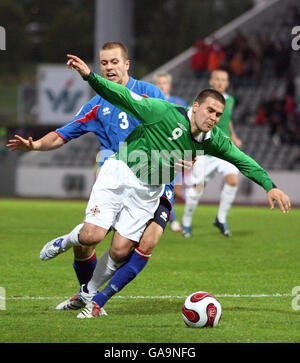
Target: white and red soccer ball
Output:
[(201, 309)]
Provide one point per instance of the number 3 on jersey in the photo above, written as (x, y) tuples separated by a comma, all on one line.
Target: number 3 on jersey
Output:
[(124, 120)]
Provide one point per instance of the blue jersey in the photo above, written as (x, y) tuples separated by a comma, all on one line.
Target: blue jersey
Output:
[(177, 101), (110, 124)]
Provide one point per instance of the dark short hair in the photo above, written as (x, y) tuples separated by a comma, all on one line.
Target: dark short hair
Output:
[(209, 92), (113, 45)]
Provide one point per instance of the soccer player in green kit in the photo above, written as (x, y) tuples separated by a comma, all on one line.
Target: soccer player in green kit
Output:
[(130, 183), (194, 187)]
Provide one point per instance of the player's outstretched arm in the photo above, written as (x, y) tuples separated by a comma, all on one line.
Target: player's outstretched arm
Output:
[(50, 141), (283, 200)]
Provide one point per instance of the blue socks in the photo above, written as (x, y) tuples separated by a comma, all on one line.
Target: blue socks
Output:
[(84, 269), (123, 276), (173, 215)]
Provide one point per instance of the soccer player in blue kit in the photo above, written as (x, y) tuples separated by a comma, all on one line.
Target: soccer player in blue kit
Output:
[(111, 126)]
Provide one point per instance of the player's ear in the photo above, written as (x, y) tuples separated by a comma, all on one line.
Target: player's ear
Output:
[(127, 64), (195, 106)]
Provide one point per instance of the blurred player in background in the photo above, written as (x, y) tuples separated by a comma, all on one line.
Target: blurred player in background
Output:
[(163, 80), (219, 80), (111, 126)]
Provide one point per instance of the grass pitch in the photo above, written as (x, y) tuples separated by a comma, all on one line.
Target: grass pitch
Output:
[(253, 275)]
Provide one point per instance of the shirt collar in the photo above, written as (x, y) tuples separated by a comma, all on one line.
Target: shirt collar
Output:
[(130, 84)]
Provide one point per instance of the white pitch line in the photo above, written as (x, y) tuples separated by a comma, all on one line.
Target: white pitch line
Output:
[(150, 297)]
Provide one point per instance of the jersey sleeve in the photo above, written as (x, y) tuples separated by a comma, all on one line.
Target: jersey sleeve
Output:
[(222, 147), (79, 125), (147, 110)]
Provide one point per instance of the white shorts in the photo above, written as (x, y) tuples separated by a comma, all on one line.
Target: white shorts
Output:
[(120, 200), (205, 169)]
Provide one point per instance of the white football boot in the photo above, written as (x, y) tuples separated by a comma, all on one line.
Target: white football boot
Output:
[(175, 226), (52, 249), (91, 310), (73, 303)]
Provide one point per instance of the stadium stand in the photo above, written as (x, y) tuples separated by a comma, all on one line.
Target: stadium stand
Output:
[(270, 71)]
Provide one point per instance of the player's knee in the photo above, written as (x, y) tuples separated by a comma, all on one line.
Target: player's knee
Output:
[(120, 254), (148, 243), (232, 180), (91, 236)]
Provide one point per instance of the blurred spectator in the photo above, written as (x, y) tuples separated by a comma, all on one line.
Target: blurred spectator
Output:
[(236, 64), (216, 56), (261, 116), (282, 117), (199, 59)]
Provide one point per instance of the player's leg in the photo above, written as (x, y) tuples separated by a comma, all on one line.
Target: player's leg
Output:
[(97, 272), (194, 183), (136, 263), (103, 206), (227, 198), (192, 197), (174, 223), (85, 260), (86, 234), (120, 250)]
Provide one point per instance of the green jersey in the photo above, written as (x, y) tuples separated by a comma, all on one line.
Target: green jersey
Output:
[(164, 136), (226, 117)]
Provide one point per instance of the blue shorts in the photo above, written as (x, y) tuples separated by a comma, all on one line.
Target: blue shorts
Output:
[(163, 212)]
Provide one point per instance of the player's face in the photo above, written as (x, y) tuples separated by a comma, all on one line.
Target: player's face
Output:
[(219, 81), (114, 66), (207, 114), (163, 84)]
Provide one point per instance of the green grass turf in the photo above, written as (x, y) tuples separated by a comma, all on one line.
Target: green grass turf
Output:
[(261, 258)]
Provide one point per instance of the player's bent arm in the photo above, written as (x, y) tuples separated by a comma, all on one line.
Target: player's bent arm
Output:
[(147, 110), (222, 147), (48, 142)]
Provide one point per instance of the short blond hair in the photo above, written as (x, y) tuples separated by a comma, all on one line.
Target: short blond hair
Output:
[(163, 74), (113, 45)]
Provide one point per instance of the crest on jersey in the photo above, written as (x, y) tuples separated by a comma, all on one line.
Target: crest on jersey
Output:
[(95, 210)]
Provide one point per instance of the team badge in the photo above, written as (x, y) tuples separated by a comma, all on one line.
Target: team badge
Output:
[(95, 210)]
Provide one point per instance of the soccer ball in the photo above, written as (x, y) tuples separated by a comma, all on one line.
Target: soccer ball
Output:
[(201, 309)]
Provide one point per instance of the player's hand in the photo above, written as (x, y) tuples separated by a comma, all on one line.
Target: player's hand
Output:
[(183, 165), (78, 64), (281, 198), (18, 143)]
